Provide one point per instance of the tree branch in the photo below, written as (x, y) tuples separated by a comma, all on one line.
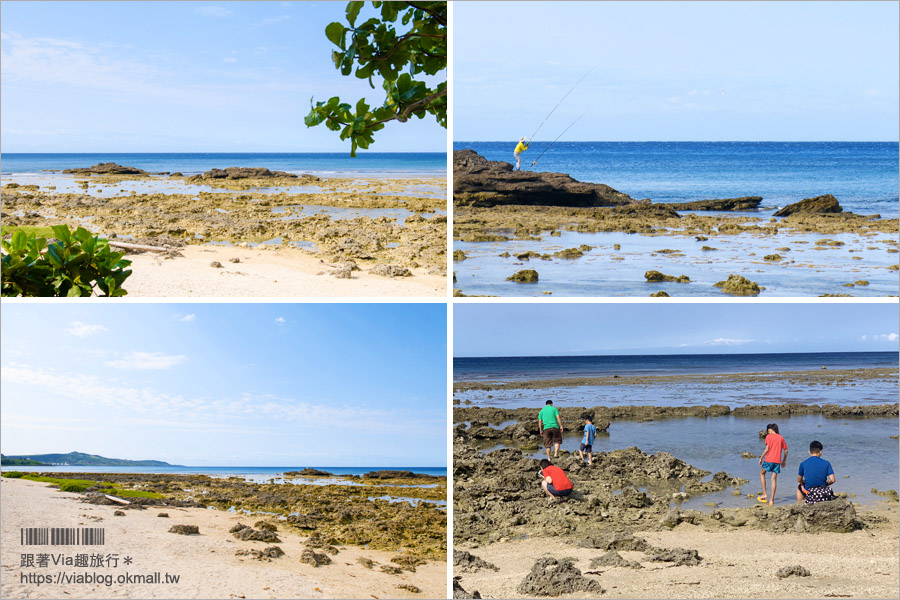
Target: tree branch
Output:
[(437, 16)]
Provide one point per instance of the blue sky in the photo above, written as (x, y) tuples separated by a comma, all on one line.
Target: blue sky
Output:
[(228, 384), (586, 329), (677, 71), (179, 77)]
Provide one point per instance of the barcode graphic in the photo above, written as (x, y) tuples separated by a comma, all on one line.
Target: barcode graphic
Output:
[(62, 536)]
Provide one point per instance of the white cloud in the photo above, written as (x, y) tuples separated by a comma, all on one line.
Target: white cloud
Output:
[(83, 330), (188, 318), (280, 320), (885, 337), (727, 342), (146, 361), (213, 11), (272, 21), (229, 59)]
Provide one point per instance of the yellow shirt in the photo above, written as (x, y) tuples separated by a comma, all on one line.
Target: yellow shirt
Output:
[(521, 147)]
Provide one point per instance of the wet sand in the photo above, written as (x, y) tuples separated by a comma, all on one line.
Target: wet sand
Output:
[(206, 563), (277, 272)]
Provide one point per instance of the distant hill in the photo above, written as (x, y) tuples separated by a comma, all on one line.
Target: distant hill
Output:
[(80, 459), (21, 462)]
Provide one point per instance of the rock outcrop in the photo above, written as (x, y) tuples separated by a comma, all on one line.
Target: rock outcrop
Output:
[(725, 204), (106, 169), (485, 183), (552, 577), (819, 205), (248, 173)]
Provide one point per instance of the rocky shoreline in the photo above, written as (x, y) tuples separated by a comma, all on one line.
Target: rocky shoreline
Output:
[(262, 212), (339, 513)]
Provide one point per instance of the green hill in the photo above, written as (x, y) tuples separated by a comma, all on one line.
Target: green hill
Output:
[(80, 459)]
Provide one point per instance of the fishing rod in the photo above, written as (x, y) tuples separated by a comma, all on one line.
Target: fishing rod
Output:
[(561, 101), (557, 139)]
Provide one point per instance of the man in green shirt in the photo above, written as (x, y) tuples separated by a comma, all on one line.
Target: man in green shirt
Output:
[(550, 426)]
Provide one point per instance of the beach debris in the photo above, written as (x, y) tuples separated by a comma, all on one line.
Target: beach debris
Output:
[(524, 276), (185, 529), (465, 562), (460, 593), (656, 276), (552, 577), (408, 587), (216, 265), (614, 559), (116, 500), (366, 562), (164, 515), (459, 255), (794, 570), (837, 515), (266, 554), (737, 285), (314, 558), (826, 204), (391, 271), (678, 556), (138, 247), (245, 533), (119, 513)]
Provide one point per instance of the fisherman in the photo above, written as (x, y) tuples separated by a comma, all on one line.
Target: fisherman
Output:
[(521, 147)]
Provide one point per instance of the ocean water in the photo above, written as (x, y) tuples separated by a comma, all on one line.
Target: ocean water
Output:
[(333, 164), (863, 176), (861, 452), (513, 368), (680, 392), (255, 473)]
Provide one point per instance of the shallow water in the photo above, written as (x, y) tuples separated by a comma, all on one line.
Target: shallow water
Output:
[(860, 448), (692, 393), (806, 269)]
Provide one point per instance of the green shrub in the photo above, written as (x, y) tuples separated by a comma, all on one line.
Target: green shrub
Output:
[(13, 474), (72, 486), (79, 264)]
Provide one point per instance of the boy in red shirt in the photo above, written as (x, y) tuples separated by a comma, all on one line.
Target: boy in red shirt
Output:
[(772, 461), (554, 482)]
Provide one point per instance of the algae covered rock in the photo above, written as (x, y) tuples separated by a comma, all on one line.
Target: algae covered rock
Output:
[(524, 276), (459, 255), (826, 204), (552, 577), (794, 570), (464, 562), (569, 253), (738, 285), (185, 529), (659, 294), (656, 276), (245, 533)]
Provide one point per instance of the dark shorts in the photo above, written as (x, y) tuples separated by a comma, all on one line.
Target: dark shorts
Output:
[(817, 494), (771, 467), (552, 436), (587, 448), (558, 493)]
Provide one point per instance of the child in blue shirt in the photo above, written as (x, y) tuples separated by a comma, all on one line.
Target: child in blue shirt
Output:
[(815, 476), (587, 444)]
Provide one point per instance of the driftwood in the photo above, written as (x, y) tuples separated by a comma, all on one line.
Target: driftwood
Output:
[(137, 246), (119, 500)]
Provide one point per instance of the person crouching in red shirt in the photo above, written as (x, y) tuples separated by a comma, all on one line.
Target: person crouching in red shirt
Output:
[(554, 482)]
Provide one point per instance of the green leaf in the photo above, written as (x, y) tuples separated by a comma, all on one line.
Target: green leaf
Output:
[(335, 34), (353, 9)]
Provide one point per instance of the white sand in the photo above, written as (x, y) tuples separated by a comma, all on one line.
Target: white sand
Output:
[(278, 273), (736, 563), (206, 563)]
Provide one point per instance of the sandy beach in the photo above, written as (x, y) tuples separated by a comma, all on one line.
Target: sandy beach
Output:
[(277, 272), (736, 563), (206, 563)]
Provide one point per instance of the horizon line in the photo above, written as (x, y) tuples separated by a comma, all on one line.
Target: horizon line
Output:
[(700, 141), (687, 353)]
